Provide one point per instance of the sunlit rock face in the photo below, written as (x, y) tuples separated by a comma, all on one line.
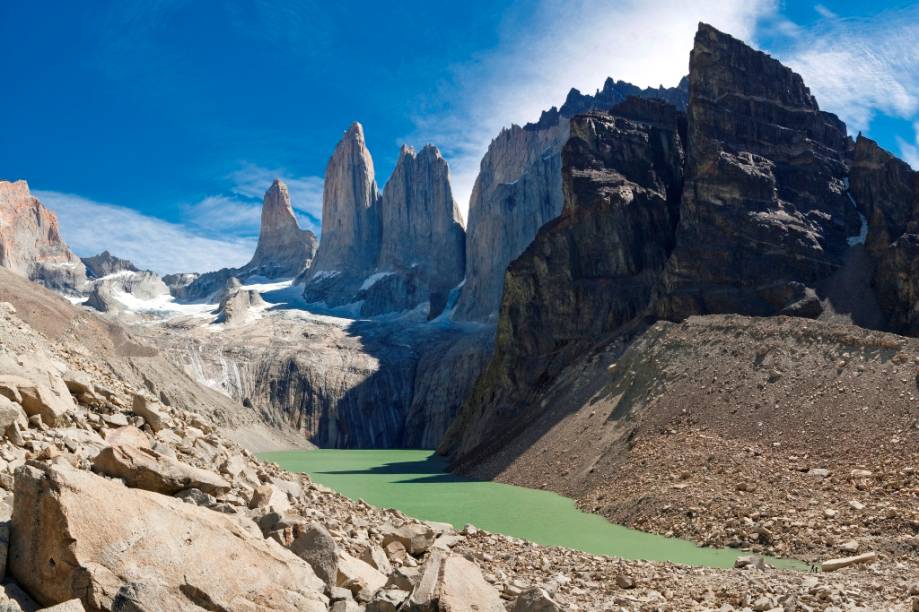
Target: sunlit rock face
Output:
[(283, 248), (422, 231), (350, 209), (31, 244), (390, 252)]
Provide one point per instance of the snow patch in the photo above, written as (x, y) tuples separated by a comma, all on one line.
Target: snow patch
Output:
[(863, 229), (164, 305), (323, 275), (373, 279)]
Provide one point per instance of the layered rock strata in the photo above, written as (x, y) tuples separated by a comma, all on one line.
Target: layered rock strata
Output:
[(519, 189)]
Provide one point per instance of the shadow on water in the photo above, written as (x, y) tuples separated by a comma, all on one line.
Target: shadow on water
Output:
[(431, 470)]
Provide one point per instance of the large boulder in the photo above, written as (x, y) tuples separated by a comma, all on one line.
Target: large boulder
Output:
[(11, 412), (151, 411), (450, 582), (317, 547), (359, 577), (35, 382), (416, 538), (78, 535), (144, 468)]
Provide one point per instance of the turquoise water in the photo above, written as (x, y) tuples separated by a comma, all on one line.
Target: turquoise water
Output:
[(418, 484)]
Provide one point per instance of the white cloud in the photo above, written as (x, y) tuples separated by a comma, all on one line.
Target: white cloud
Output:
[(562, 44), (857, 68), (825, 12), (90, 227), (909, 151), (222, 214)]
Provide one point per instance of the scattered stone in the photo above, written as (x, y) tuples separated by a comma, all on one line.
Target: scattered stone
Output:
[(535, 599), (374, 556), (624, 581), (151, 412), (269, 496), (127, 436), (72, 605), (850, 547), (358, 577)]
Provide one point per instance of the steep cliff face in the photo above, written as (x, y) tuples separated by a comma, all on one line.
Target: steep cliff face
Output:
[(887, 190), (283, 248), (764, 213), (589, 271), (759, 217), (31, 243), (519, 189), (421, 224), (339, 383), (350, 210), (391, 252)]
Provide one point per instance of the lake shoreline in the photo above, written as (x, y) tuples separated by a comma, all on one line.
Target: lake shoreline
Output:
[(417, 483)]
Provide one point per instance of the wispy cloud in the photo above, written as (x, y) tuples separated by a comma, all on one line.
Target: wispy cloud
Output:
[(825, 12), (216, 215), (909, 151), (90, 227), (558, 45), (858, 68)]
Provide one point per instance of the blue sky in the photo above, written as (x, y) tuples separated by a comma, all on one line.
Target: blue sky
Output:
[(154, 127)]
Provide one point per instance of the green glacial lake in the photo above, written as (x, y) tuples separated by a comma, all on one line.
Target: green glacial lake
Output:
[(418, 484)]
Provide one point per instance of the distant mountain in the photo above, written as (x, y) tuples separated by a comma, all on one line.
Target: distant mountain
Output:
[(105, 263), (391, 251), (31, 244)]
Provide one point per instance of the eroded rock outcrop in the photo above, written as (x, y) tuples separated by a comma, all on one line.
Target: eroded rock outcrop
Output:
[(391, 251), (422, 230), (108, 293), (31, 244), (594, 268), (283, 248), (886, 189), (760, 219), (350, 242), (519, 189), (764, 214)]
